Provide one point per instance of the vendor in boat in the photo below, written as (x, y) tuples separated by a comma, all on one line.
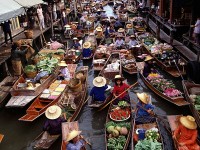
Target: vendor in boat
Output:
[(186, 134), (87, 52), (64, 72), (74, 141), (121, 31), (148, 67), (132, 42), (129, 29), (110, 31), (144, 110), (76, 44), (54, 120), (99, 34), (119, 88), (119, 43), (98, 91)]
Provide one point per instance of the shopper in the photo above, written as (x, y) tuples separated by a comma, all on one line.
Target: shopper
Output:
[(6, 29)]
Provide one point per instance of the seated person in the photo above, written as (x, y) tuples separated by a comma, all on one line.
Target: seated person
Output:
[(129, 29), (54, 120), (186, 134), (148, 67), (87, 52), (119, 43), (40, 75), (110, 32), (98, 91), (76, 44), (64, 72), (121, 31), (132, 42), (144, 110)]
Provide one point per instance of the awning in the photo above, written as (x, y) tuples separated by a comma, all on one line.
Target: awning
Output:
[(10, 9), (28, 3)]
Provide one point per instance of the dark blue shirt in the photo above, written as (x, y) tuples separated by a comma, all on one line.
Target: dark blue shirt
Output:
[(86, 52), (76, 45), (142, 112), (98, 93)]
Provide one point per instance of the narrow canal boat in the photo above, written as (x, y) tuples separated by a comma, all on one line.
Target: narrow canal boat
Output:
[(72, 56), (192, 93), (112, 67)]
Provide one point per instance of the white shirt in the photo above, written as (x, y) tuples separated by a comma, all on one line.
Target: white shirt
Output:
[(197, 27), (119, 43), (132, 43), (39, 12)]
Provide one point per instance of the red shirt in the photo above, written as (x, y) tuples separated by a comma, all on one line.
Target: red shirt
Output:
[(120, 89)]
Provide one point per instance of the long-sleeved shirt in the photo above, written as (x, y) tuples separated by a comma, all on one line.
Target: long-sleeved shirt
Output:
[(119, 43), (98, 93), (132, 43), (16, 54), (197, 27), (66, 73), (76, 146), (87, 52), (141, 112), (120, 89), (53, 126)]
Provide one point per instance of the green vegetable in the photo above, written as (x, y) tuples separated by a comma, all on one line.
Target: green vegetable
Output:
[(197, 100), (148, 145), (122, 104), (116, 143), (30, 68)]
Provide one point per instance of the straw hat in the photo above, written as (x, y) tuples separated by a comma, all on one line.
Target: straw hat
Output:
[(86, 45), (75, 38), (67, 26), (132, 36), (120, 30), (148, 58), (129, 26), (53, 112), (99, 29), (118, 77), (99, 81), (188, 122), (73, 134), (143, 97), (62, 64)]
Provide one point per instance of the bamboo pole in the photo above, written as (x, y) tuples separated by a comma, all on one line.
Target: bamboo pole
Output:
[(1, 137)]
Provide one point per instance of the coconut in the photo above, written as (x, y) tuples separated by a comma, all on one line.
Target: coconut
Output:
[(115, 133), (123, 131), (118, 128)]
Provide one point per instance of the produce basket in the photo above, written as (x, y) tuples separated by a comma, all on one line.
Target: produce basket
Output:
[(130, 67), (28, 34), (119, 120), (75, 85), (80, 75), (99, 55), (31, 74)]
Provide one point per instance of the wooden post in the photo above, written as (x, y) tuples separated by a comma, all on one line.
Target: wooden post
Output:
[(171, 10), (41, 40), (171, 37), (157, 30)]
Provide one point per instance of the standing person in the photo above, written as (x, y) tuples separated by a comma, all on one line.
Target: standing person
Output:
[(144, 109), (54, 120), (87, 52), (119, 88), (98, 91), (148, 67), (6, 29), (64, 72), (16, 56), (76, 44), (64, 16), (197, 31), (99, 34), (40, 16), (54, 12), (186, 134)]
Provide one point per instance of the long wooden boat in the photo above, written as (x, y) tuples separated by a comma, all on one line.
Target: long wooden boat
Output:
[(187, 86), (99, 61), (129, 64), (79, 100), (110, 74), (5, 87), (178, 101), (72, 58), (174, 121), (108, 119)]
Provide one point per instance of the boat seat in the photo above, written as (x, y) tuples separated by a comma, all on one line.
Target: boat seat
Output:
[(195, 90), (38, 106)]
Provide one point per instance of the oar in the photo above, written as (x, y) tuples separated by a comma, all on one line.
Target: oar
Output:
[(1, 137), (118, 96), (86, 141), (178, 69), (87, 99)]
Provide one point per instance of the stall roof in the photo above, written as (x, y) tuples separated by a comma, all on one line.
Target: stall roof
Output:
[(10, 9), (28, 3)]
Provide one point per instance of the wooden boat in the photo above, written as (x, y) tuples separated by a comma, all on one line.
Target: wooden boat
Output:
[(110, 74), (128, 136), (70, 116), (174, 121), (72, 57), (129, 64), (179, 101), (187, 87), (5, 87), (99, 60)]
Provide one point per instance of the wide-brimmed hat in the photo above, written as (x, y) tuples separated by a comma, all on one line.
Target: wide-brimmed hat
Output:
[(129, 26), (67, 26), (53, 112), (118, 77), (86, 45), (75, 38), (188, 122), (148, 57), (62, 64), (143, 97), (120, 30), (99, 81), (99, 29), (73, 134)]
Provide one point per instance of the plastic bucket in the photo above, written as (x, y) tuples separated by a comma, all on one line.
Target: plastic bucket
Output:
[(141, 135)]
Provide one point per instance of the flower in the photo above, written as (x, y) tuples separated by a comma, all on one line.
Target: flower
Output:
[(172, 92)]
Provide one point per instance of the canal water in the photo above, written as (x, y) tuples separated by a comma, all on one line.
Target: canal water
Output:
[(19, 135)]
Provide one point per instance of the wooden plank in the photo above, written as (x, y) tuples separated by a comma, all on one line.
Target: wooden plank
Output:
[(1, 137)]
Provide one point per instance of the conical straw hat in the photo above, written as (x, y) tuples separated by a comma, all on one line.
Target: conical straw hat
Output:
[(53, 112), (188, 122), (143, 97), (99, 81), (73, 134)]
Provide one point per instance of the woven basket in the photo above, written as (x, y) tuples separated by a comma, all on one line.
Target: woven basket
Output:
[(28, 34), (99, 55), (80, 75), (75, 85), (31, 74), (130, 68)]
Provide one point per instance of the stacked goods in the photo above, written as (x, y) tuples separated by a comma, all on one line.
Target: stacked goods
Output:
[(196, 100)]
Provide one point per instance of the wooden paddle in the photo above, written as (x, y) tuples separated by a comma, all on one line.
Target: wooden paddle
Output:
[(1, 137), (118, 96)]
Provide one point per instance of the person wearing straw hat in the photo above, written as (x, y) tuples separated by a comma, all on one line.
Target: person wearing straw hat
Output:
[(76, 44), (74, 141), (148, 67), (129, 29), (119, 88), (186, 134), (119, 43), (54, 120), (64, 72), (132, 42), (99, 34), (87, 52), (144, 110), (98, 91)]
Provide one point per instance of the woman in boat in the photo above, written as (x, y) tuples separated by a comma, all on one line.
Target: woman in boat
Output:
[(148, 67), (132, 42), (76, 44), (98, 91), (186, 134), (119, 88), (87, 52), (144, 110), (129, 29), (54, 120), (99, 34), (64, 72), (74, 141), (119, 43)]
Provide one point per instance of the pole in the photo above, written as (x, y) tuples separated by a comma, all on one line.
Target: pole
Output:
[(51, 16)]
